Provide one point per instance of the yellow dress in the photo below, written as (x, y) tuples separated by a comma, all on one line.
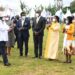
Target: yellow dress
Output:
[(51, 48)]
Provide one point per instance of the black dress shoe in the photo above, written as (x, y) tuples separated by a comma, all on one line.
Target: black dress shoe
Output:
[(70, 61), (26, 55), (65, 62), (21, 54), (40, 57), (34, 57), (7, 64)]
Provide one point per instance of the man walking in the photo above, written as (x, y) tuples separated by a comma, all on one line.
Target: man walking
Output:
[(4, 28)]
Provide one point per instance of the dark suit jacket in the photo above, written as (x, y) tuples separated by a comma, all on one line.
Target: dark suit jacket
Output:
[(26, 26), (40, 26)]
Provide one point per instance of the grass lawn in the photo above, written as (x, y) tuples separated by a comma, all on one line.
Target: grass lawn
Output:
[(30, 66)]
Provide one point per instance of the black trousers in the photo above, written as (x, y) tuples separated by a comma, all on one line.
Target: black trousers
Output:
[(38, 40), (16, 34), (3, 52), (23, 40)]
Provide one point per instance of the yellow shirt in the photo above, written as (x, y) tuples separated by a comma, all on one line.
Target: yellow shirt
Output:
[(70, 32), (55, 26)]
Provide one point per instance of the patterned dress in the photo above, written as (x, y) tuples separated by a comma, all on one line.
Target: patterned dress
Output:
[(11, 36)]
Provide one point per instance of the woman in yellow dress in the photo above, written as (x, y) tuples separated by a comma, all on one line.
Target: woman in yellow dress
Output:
[(51, 49)]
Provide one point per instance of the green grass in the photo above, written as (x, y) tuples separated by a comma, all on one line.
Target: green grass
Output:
[(30, 66)]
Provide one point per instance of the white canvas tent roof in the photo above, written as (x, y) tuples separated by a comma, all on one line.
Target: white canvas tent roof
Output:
[(32, 13), (60, 14), (73, 14), (45, 13), (68, 13)]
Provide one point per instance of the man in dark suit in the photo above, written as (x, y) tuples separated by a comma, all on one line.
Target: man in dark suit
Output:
[(38, 26), (23, 27)]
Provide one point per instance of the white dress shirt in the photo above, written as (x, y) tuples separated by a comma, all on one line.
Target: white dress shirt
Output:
[(22, 22), (23, 19), (3, 31), (38, 19)]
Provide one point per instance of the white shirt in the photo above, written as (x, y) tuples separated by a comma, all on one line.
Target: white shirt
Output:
[(3, 31), (22, 22), (38, 19), (23, 19)]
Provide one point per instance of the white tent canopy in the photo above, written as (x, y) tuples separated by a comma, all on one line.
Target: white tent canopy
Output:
[(45, 13), (60, 14), (48, 14), (68, 13), (73, 14), (32, 13)]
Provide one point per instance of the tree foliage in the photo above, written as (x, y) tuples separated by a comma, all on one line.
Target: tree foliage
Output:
[(51, 9), (65, 9), (24, 7), (2, 9), (72, 6)]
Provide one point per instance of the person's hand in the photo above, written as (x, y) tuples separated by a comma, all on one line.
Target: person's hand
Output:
[(10, 29), (21, 28), (36, 33), (14, 25), (64, 30)]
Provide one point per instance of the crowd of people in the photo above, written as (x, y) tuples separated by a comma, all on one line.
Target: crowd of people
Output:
[(16, 29)]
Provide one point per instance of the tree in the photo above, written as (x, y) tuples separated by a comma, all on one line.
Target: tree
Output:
[(72, 6), (65, 9), (51, 9), (2, 9), (24, 7), (39, 8)]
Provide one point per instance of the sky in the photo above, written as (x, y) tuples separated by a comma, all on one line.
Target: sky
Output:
[(30, 3)]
